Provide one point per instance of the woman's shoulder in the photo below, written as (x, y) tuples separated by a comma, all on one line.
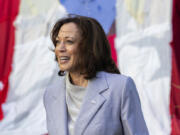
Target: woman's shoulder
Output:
[(56, 83), (113, 76), (56, 80), (117, 79)]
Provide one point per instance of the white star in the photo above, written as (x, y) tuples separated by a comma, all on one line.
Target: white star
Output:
[(1, 85)]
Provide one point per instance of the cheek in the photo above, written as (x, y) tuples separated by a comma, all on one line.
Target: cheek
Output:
[(71, 51), (75, 59), (55, 51)]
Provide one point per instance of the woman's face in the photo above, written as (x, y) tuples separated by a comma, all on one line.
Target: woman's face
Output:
[(68, 40)]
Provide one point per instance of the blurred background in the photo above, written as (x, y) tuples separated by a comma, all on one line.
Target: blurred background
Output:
[(145, 44)]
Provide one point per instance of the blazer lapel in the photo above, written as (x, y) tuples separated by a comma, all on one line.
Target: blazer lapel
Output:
[(93, 100), (59, 109)]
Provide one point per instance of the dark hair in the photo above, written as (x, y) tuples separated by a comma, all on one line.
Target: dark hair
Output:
[(94, 50)]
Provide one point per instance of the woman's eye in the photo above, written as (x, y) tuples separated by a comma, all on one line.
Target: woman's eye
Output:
[(69, 41)]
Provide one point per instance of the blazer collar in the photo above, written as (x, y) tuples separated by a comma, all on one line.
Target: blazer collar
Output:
[(93, 101)]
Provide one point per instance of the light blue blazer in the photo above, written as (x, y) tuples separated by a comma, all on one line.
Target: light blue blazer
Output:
[(111, 106)]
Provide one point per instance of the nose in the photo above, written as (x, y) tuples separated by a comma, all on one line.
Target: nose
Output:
[(61, 47)]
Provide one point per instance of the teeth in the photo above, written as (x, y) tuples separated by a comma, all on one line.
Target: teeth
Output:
[(64, 58)]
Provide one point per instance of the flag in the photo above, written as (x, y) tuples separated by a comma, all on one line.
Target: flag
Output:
[(144, 44), (175, 76)]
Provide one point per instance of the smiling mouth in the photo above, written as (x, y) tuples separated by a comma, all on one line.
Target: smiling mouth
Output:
[(64, 59)]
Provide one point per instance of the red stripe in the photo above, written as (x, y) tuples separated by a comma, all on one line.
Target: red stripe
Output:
[(9, 11), (175, 80), (113, 50)]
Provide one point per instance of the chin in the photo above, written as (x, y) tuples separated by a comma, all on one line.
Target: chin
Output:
[(64, 69)]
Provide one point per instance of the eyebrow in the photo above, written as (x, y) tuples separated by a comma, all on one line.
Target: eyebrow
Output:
[(65, 37)]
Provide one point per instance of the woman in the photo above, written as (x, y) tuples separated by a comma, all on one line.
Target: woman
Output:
[(90, 97)]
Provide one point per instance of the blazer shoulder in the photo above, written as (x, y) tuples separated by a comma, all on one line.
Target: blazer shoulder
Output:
[(53, 86), (119, 80), (113, 77)]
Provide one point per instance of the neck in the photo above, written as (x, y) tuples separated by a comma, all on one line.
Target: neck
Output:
[(78, 79)]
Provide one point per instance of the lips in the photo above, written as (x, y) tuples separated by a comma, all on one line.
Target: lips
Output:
[(64, 59)]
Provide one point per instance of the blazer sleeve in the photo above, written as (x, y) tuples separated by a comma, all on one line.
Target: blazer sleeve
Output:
[(131, 113)]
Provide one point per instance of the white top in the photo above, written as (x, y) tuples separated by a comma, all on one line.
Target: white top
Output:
[(74, 99)]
